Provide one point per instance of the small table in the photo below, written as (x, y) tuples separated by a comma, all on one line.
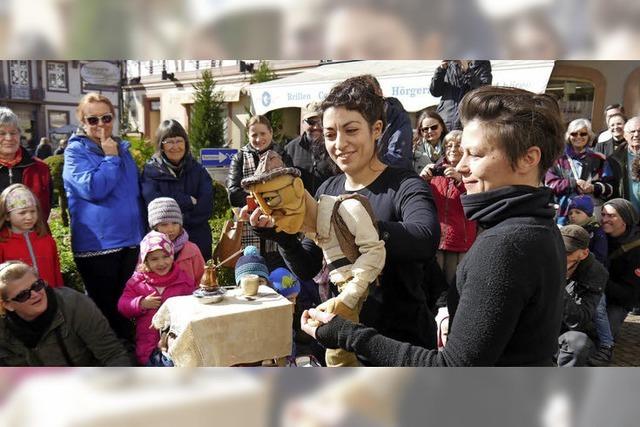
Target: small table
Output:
[(236, 330)]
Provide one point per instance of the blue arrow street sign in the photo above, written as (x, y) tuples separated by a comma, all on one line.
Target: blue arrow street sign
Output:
[(217, 157)]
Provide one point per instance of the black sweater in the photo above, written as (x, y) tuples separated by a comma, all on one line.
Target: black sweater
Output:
[(623, 287), (408, 223), (510, 282)]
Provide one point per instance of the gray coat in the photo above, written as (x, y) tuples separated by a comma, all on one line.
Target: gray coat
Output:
[(85, 334)]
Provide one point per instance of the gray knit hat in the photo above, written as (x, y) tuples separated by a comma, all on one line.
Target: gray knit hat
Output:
[(164, 209), (625, 209)]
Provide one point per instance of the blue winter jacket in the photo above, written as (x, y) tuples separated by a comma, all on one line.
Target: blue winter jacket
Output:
[(193, 181), (104, 196), (396, 142)]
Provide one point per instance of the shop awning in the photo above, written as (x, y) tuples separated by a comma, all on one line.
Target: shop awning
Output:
[(406, 80), (230, 93)]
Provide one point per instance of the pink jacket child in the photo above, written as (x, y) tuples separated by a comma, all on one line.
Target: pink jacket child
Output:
[(165, 216), (157, 279)]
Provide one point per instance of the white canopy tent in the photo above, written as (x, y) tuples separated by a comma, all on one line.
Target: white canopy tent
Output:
[(406, 80)]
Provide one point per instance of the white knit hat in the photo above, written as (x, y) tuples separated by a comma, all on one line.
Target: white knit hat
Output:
[(164, 209)]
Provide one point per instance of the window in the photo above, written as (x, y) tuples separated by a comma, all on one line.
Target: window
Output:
[(20, 79), (574, 96), (57, 119), (57, 78)]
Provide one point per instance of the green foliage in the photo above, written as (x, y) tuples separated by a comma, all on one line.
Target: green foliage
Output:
[(206, 127), (221, 206), (226, 276), (141, 149), (263, 73), (61, 235), (56, 164)]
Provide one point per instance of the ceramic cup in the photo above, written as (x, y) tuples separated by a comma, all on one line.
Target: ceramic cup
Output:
[(249, 284)]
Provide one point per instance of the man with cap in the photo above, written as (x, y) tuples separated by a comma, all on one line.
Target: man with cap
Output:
[(307, 151), (342, 226), (620, 223), (586, 280)]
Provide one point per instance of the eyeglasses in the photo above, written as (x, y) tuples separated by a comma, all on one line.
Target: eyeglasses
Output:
[(25, 294), (432, 128), (311, 122), (12, 134), (94, 120), (173, 141), (582, 134)]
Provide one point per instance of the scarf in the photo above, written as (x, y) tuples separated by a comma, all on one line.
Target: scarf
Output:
[(30, 333), (249, 164), (175, 170), (11, 163), (180, 241), (492, 207), (158, 281), (434, 152)]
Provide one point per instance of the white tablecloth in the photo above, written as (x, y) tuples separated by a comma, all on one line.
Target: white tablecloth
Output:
[(233, 331)]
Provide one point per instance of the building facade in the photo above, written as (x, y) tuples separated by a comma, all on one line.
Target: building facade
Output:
[(44, 94)]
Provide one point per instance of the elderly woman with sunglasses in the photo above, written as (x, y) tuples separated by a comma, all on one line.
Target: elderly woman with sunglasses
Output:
[(41, 326), (173, 172), (580, 170), (428, 145), (101, 181)]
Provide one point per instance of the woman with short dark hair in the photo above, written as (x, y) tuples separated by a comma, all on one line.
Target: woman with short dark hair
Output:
[(173, 172)]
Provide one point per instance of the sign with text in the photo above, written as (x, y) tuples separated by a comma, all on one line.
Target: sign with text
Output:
[(217, 157)]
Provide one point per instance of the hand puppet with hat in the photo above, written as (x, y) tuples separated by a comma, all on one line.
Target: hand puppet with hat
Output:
[(335, 224)]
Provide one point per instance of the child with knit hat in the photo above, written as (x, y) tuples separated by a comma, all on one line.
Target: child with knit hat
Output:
[(165, 216), (251, 262), (24, 235), (157, 279), (581, 213)]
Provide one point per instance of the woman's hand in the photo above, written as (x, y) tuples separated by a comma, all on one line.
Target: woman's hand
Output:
[(313, 318), (584, 187), (151, 302), (427, 172), (109, 146), (260, 220), (451, 172)]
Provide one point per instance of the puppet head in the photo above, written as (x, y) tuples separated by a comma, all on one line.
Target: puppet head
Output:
[(279, 191)]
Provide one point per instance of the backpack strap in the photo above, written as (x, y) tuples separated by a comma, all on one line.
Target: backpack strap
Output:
[(345, 238)]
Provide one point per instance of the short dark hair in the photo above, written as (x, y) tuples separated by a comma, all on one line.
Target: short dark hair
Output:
[(356, 94), (518, 120), (170, 129)]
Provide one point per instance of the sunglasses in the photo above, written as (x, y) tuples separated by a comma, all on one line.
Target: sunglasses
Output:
[(311, 122), (430, 128), (25, 294), (94, 120), (582, 134)]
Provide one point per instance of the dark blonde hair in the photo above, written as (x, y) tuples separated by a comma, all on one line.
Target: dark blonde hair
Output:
[(11, 271), (40, 228), (263, 120), (91, 98)]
